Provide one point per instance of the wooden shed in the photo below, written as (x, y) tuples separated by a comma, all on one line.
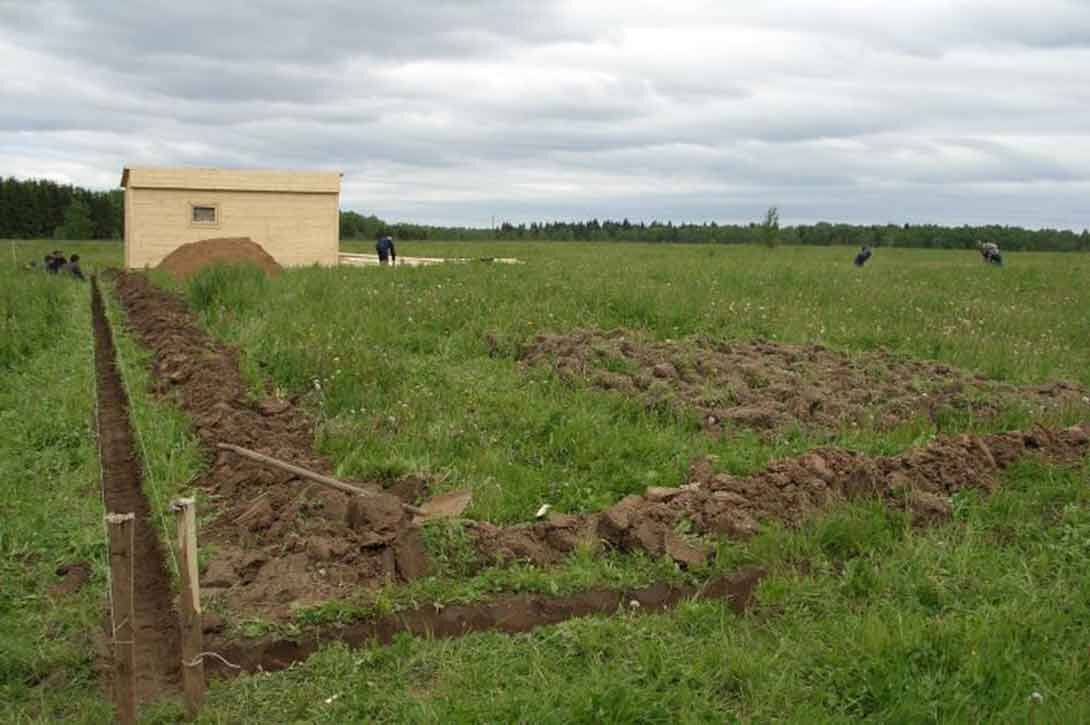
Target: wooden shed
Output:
[(294, 215)]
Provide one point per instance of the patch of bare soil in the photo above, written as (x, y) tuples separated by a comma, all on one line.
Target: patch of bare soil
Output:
[(157, 646), (277, 541), (509, 614), (769, 386), (188, 259), (790, 491), (72, 578)]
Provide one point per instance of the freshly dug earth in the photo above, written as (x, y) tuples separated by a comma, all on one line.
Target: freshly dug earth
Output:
[(157, 650), (921, 480), (277, 541), (509, 614), (189, 259), (769, 386)]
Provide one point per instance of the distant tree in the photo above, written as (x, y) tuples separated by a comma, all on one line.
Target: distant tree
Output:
[(77, 221), (770, 227)]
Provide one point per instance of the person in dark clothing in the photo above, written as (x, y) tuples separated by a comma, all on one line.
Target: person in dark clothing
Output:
[(73, 268), (54, 261), (863, 256), (385, 248)]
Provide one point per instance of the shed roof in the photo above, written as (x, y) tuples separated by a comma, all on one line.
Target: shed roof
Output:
[(154, 177)]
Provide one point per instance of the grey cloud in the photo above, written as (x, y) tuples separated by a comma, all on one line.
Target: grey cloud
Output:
[(861, 111), (122, 34)]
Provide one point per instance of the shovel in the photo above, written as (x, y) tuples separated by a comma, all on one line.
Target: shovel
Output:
[(446, 505)]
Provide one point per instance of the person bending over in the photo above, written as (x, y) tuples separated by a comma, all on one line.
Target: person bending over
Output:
[(385, 249)]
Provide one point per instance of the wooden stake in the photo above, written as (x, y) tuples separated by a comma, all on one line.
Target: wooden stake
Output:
[(193, 681), (119, 530)]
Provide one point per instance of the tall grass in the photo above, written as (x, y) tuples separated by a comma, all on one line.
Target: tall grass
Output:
[(50, 504), (32, 309), (415, 370), (861, 617), (223, 287)]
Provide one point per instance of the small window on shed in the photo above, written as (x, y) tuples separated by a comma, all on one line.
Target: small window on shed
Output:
[(204, 214)]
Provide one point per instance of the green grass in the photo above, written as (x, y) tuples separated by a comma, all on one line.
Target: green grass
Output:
[(50, 504), (414, 370), (883, 623)]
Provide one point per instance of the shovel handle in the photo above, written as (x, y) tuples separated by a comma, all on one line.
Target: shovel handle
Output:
[(301, 472)]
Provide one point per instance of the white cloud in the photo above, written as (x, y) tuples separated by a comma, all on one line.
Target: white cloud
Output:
[(862, 110)]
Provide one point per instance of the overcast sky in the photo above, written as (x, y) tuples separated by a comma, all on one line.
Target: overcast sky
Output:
[(959, 111)]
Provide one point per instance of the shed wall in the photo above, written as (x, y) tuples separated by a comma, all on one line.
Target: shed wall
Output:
[(295, 228)]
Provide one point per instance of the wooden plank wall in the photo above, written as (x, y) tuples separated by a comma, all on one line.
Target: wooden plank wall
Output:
[(295, 228)]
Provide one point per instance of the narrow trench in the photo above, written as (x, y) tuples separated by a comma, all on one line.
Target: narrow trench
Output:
[(508, 614), (156, 631)]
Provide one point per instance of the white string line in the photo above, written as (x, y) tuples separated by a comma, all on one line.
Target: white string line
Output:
[(160, 510)]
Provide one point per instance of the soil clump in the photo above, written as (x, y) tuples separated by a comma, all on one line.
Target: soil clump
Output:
[(276, 541), (156, 636), (189, 259), (767, 386), (790, 491)]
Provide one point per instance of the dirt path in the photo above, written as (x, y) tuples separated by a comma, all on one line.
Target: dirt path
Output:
[(156, 631)]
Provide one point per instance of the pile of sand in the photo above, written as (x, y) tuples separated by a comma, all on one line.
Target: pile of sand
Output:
[(188, 259)]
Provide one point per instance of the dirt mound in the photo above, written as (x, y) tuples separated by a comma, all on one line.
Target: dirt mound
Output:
[(188, 259), (790, 491), (277, 540), (770, 386)]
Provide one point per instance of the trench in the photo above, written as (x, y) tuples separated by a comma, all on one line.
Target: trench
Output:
[(511, 614), (156, 636)]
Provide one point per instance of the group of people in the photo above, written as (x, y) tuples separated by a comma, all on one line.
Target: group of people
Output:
[(988, 250), (57, 263)]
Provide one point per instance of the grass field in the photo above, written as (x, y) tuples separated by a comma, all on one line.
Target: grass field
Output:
[(416, 371)]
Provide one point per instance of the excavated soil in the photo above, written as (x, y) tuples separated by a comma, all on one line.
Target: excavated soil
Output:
[(768, 386), (277, 541), (511, 614), (789, 491), (188, 259), (157, 646)]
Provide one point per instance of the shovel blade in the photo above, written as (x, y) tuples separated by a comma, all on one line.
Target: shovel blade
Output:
[(445, 505)]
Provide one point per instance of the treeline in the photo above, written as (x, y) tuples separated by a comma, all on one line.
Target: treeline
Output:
[(356, 226), (37, 208)]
